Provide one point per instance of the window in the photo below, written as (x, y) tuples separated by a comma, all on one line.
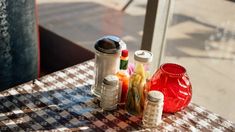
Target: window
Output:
[(201, 37)]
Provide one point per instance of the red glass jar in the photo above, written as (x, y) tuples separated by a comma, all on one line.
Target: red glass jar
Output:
[(173, 81)]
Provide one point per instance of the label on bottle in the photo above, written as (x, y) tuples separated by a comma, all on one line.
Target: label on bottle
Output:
[(123, 64)]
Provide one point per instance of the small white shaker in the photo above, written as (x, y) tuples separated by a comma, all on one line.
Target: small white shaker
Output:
[(109, 93), (152, 115)]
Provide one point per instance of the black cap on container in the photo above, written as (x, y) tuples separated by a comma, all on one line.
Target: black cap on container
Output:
[(108, 44)]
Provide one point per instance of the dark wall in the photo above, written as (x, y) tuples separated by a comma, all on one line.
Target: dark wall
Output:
[(58, 53)]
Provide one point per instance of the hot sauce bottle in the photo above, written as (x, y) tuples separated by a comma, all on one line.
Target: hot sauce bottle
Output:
[(123, 76)]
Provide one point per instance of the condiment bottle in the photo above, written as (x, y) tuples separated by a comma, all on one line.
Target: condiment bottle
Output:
[(109, 92), (107, 53), (153, 109), (143, 59), (123, 76), (136, 91)]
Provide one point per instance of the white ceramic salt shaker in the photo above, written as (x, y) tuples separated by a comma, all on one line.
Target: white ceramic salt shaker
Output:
[(153, 109)]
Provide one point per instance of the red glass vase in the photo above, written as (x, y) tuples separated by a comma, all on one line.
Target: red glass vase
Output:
[(173, 81)]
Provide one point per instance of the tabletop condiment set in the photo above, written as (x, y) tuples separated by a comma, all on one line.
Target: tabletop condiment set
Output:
[(117, 84)]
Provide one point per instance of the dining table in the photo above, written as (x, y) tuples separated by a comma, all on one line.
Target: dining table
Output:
[(63, 101)]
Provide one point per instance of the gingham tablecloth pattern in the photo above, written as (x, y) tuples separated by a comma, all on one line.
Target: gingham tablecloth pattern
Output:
[(62, 101)]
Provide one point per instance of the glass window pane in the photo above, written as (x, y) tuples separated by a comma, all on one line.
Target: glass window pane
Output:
[(201, 37)]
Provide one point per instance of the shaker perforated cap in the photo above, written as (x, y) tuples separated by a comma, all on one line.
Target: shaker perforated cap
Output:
[(155, 96), (143, 56), (111, 80)]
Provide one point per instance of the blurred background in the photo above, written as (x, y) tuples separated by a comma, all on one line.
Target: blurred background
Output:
[(200, 36)]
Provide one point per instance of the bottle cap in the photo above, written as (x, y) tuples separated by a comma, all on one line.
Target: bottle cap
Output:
[(111, 80), (155, 96), (125, 53), (143, 56)]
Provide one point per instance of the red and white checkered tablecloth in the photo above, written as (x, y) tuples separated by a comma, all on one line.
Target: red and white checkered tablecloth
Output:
[(62, 101)]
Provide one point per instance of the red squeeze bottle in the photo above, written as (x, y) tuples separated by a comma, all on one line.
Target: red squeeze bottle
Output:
[(123, 75)]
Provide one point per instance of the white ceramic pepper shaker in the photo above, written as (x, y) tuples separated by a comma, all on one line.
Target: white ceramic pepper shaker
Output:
[(153, 109), (109, 93)]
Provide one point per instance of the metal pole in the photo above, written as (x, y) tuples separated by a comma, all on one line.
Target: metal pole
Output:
[(149, 24), (127, 4)]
